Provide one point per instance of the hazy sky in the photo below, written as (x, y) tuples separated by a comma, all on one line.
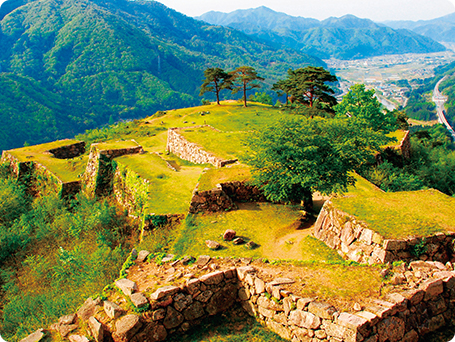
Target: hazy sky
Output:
[(378, 10)]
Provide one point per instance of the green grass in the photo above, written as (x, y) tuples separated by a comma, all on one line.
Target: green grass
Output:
[(225, 145), (170, 191), (400, 214), (229, 117), (316, 250), (210, 178), (398, 135), (67, 170), (268, 225), (116, 144)]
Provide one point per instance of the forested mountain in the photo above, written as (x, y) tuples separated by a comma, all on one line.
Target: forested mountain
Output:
[(347, 37), (69, 65), (440, 29)]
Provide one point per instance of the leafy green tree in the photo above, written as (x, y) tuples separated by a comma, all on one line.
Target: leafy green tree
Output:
[(308, 86), (294, 158), (246, 76), (261, 98), (365, 107), (216, 79)]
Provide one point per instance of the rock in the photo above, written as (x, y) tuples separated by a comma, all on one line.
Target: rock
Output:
[(186, 260), (34, 337), (212, 278), (78, 338), (204, 296), (88, 308), (158, 314), (398, 279), (127, 286), (281, 281), (357, 307), (322, 310), (139, 300), (167, 258), (65, 329), (112, 310), (68, 319), (229, 235), (142, 256), (238, 241), (251, 245), (194, 311), (126, 327), (203, 260), (391, 329), (164, 291), (259, 285), (173, 318), (304, 319), (212, 244), (243, 271), (96, 329)]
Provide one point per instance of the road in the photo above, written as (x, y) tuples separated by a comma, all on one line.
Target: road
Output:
[(440, 100)]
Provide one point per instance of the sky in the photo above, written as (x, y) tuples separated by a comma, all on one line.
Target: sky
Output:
[(377, 10)]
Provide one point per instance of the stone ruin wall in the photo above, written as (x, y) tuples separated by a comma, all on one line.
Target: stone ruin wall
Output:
[(405, 146), (47, 179), (224, 196), (354, 240), (192, 152), (402, 316), (68, 151), (98, 176)]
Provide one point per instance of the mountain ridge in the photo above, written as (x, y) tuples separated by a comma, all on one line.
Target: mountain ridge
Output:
[(347, 37), (116, 60)]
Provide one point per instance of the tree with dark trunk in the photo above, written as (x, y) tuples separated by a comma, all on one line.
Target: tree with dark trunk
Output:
[(216, 79), (246, 77), (308, 86)]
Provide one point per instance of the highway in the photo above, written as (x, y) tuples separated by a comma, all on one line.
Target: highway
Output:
[(440, 100)]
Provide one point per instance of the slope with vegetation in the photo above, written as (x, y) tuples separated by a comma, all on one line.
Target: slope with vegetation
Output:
[(347, 37), (49, 247), (67, 65)]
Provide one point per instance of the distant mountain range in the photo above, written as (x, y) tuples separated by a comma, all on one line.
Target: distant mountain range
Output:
[(347, 37), (440, 29), (70, 65)]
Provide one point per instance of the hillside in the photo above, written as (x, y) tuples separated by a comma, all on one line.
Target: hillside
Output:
[(79, 64), (440, 29), (55, 254), (347, 37)]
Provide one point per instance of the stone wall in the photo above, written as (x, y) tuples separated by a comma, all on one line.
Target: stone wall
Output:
[(37, 177), (68, 151), (224, 196), (355, 241), (404, 315), (405, 146), (192, 152), (100, 171)]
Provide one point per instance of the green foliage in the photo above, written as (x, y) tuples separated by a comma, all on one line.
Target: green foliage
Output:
[(261, 98), (216, 79), (308, 86), (58, 260), (299, 155), (246, 78), (97, 64), (391, 178), (420, 248), (362, 105)]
